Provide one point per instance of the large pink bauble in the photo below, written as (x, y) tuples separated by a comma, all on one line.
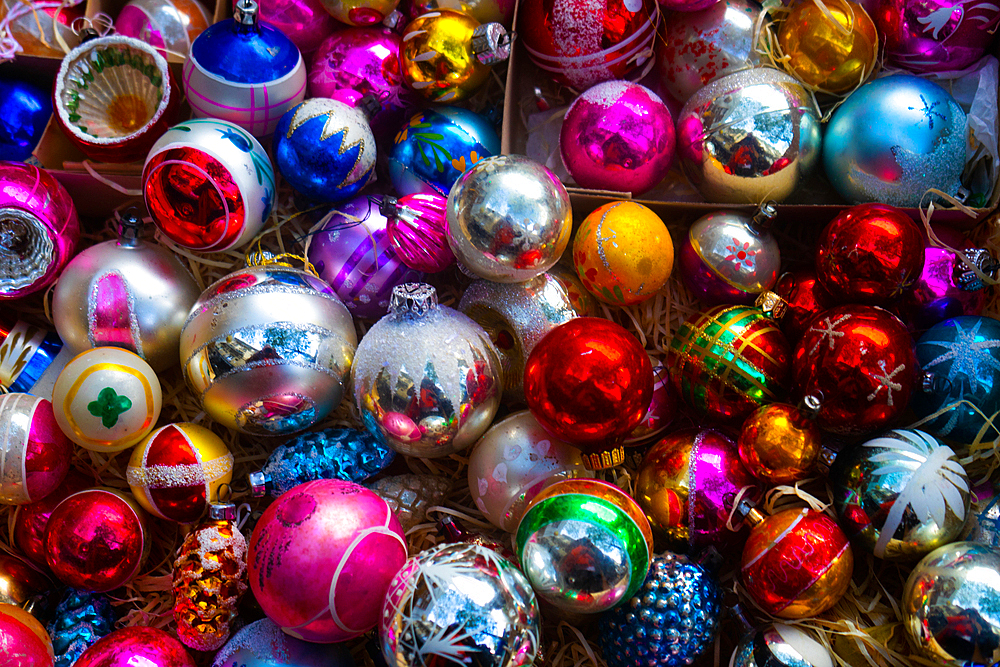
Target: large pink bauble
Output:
[(136, 647), (935, 35), (618, 136), (305, 22), (321, 559)]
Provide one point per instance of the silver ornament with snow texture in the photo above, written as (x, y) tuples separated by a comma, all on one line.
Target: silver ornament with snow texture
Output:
[(669, 622)]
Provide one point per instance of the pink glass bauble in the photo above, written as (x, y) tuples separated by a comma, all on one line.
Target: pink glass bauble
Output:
[(305, 22), (136, 647), (166, 25), (418, 228), (23, 640), (935, 35), (34, 453), (28, 529), (618, 136), (662, 409), (687, 5), (321, 558)]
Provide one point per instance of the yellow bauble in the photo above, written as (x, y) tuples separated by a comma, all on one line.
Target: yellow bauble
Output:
[(779, 443), (623, 253)]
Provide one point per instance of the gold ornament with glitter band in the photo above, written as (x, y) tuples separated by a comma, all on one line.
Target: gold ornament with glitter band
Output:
[(177, 471)]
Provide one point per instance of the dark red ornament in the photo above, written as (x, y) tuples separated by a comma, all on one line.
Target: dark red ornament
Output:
[(870, 253), (805, 299), (28, 531)]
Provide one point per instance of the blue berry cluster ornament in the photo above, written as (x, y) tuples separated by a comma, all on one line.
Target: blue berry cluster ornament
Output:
[(79, 621), (333, 453), (669, 622)]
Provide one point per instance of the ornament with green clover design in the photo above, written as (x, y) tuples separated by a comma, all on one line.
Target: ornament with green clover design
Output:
[(109, 406)]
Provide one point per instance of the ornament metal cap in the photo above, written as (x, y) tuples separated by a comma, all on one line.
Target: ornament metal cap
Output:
[(413, 299), (129, 228), (246, 14), (773, 305), (388, 206), (260, 483), (491, 43), (369, 105), (604, 460), (395, 20), (222, 512), (764, 217), (746, 509), (825, 459), (966, 278)]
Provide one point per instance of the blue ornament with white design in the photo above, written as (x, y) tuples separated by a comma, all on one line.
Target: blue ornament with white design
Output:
[(960, 359), (437, 146), (25, 110), (78, 622), (669, 622), (325, 149), (893, 139)]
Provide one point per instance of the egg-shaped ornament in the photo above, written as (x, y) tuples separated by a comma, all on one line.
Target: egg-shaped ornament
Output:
[(321, 559), (263, 644), (417, 226), (244, 71), (893, 139), (35, 454), (26, 108), (360, 12), (39, 229), (780, 443), (427, 379), (780, 645), (749, 137), (169, 26), (579, 43), (436, 146), (509, 219), (943, 36), (136, 645), (730, 257), (23, 638), (107, 399), (208, 184), (267, 350), (804, 299), (447, 55), (900, 495), (27, 526), (126, 293)]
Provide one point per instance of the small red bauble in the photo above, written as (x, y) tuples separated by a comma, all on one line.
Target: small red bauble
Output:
[(870, 253), (805, 299), (28, 531), (860, 362), (135, 647), (589, 382)]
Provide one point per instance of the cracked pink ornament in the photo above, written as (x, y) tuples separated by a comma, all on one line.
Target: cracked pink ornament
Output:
[(936, 35)]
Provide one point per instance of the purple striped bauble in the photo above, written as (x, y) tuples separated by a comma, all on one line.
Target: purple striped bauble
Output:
[(351, 250)]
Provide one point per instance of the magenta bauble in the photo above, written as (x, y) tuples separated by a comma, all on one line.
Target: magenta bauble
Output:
[(135, 647), (305, 22), (935, 35)]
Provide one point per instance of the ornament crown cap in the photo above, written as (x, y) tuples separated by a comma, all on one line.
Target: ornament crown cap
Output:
[(260, 483), (129, 228), (246, 14), (222, 512), (491, 43), (413, 299), (764, 217), (388, 207)]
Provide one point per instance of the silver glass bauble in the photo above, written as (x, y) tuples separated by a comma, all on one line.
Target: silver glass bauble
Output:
[(780, 645), (748, 137), (459, 603), (427, 378), (509, 219), (267, 350)]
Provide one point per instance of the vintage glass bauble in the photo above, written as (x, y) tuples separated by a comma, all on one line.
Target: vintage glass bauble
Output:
[(263, 644), (23, 638), (360, 12), (136, 645), (804, 299), (35, 31), (26, 108), (27, 526), (305, 22), (779, 443), (780, 645), (34, 453), (662, 411), (417, 226), (166, 25), (935, 36)]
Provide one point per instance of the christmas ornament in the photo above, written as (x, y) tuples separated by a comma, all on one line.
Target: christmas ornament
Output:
[(584, 545), (22, 584), (410, 496), (37, 29), (167, 25), (779, 444), (27, 356), (516, 316), (617, 136), (209, 579), (728, 257), (436, 394), (948, 604), (352, 251), (267, 350), (114, 96), (870, 253), (512, 463), (106, 399), (583, 301), (670, 621), (833, 50), (436, 147), (39, 229), (700, 46), (580, 44), (208, 185), (500, 228), (935, 36), (686, 485), (484, 11), (23, 639), (25, 109), (417, 226), (780, 645), (27, 528), (34, 453), (305, 22), (748, 137), (95, 540), (333, 453), (894, 138), (360, 12), (321, 559), (125, 293), (447, 55), (984, 522), (136, 645), (80, 620), (263, 644), (661, 412), (244, 71), (859, 363), (796, 563), (805, 298), (900, 495), (589, 382), (960, 359), (727, 361)]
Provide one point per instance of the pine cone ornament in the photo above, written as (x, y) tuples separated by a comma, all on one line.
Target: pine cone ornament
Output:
[(410, 496), (80, 619)]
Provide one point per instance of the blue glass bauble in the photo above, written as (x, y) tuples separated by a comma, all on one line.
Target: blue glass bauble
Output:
[(894, 138), (437, 146), (263, 644), (79, 621), (669, 622), (24, 112), (325, 149), (963, 356)]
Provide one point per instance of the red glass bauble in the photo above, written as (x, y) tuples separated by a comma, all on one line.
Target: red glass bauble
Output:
[(805, 299), (28, 530), (870, 253), (135, 647), (589, 382), (860, 362)]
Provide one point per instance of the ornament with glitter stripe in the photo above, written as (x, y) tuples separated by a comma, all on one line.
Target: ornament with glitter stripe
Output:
[(79, 621), (34, 453), (669, 622)]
